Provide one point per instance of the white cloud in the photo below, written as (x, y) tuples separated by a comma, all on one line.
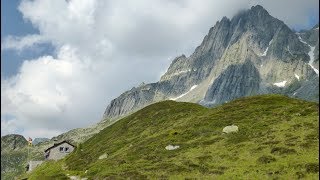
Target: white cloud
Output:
[(20, 43), (102, 49), (49, 91), (12, 127), (8, 127)]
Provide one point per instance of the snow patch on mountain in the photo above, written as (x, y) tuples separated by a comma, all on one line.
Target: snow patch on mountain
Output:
[(180, 72), (298, 77), (311, 55), (192, 88), (280, 84), (265, 52)]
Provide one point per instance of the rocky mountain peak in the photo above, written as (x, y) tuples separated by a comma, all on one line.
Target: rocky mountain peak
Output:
[(179, 58), (12, 142), (224, 20), (251, 53), (258, 9)]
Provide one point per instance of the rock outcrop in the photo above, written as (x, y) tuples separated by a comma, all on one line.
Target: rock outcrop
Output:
[(230, 129)]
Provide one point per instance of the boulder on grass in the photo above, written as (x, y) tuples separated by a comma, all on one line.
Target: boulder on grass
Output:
[(171, 147), (230, 129)]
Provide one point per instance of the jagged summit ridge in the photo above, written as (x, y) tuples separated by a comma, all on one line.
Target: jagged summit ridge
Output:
[(249, 54)]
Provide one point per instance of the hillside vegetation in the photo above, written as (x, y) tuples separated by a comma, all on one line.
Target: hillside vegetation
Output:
[(277, 138)]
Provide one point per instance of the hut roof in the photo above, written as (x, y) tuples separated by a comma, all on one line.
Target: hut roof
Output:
[(57, 144)]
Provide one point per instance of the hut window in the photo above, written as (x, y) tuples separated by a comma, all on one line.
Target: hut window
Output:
[(61, 149), (66, 149)]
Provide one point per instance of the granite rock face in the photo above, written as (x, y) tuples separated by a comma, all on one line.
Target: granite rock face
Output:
[(236, 81), (249, 54)]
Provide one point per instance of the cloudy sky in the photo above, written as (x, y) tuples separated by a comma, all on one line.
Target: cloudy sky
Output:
[(62, 61)]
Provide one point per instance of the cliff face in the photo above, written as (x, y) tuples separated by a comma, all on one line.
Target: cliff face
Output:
[(252, 53), (236, 81)]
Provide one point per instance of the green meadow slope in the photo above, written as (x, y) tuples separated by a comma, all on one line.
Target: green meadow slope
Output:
[(278, 138)]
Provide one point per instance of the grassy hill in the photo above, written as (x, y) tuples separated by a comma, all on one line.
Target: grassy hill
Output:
[(278, 138)]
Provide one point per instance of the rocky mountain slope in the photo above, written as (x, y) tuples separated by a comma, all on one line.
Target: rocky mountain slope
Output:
[(277, 138), (252, 53), (12, 142), (13, 155)]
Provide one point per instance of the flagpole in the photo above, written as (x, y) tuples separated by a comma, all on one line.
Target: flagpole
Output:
[(28, 158)]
